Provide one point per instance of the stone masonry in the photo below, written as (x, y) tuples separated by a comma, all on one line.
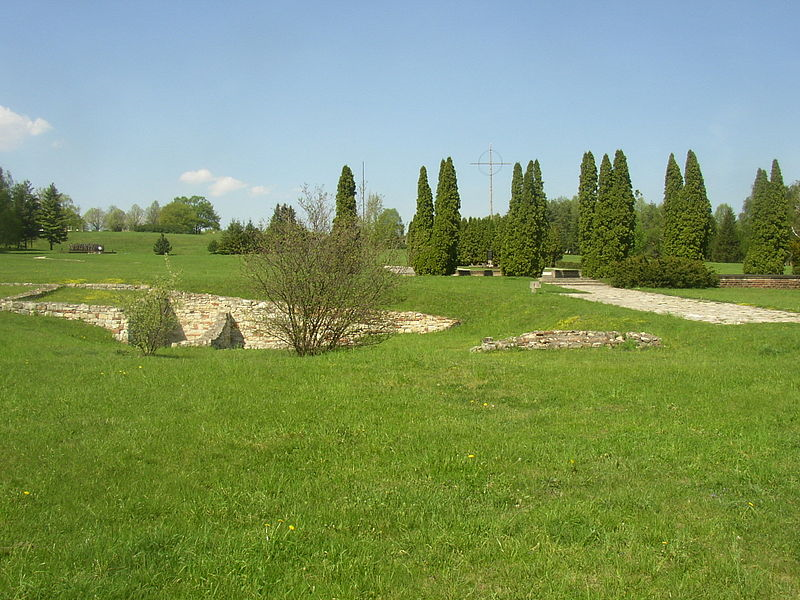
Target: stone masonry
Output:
[(205, 319), (557, 339)]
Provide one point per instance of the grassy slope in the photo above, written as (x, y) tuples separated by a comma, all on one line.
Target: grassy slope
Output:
[(602, 473)]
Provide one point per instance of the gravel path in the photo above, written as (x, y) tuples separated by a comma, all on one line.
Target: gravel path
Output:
[(686, 308)]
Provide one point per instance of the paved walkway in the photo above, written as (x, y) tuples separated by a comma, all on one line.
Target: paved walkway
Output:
[(686, 308)]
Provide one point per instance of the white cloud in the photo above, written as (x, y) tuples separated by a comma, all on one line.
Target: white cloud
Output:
[(199, 176), (259, 190), (223, 185), (15, 128)]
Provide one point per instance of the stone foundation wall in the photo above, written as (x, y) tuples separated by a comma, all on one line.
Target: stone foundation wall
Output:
[(557, 339), (204, 319), (776, 282), (107, 317)]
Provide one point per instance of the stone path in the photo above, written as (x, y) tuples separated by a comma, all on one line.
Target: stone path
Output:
[(686, 308)]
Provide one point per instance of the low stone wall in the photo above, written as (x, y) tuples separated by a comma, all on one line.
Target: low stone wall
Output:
[(107, 317), (777, 282), (204, 319), (557, 339)]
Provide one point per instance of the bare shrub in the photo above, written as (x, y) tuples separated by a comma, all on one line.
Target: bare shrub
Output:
[(327, 287)]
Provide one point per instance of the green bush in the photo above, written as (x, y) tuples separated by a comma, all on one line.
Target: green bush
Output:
[(666, 272), (162, 246)]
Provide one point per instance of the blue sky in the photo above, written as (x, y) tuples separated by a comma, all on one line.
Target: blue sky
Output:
[(243, 102)]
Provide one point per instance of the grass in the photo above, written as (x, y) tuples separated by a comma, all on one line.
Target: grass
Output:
[(87, 296), (408, 469), (12, 290)]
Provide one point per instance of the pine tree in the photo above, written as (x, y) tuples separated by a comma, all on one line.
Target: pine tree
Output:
[(421, 227), (725, 246), (672, 207), (446, 221), (346, 211), (587, 198), (51, 216), (769, 224), (614, 223)]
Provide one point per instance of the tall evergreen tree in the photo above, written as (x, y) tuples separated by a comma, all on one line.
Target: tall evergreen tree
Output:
[(614, 222), (346, 211), (672, 207), (10, 227), (688, 224), (27, 208), (725, 246), (51, 217), (540, 228), (769, 224), (421, 227), (518, 248), (446, 221), (587, 198)]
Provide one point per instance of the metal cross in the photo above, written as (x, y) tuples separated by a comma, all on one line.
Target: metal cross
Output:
[(491, 172)]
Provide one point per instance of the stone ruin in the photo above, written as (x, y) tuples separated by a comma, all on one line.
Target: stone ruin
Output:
[(557, 339), (204, 319)]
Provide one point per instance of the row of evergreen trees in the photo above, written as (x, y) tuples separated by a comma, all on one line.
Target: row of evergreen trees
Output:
[(433, 234), (26, 215), (606, 222)]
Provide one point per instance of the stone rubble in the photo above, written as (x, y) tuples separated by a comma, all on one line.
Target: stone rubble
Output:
[(559, 339)]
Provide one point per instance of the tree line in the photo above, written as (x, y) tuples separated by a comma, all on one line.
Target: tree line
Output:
[(606, 222), (183, 214), (27, 214)]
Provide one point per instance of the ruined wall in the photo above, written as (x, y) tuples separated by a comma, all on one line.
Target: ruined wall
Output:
[(558, 339), (205, 319)]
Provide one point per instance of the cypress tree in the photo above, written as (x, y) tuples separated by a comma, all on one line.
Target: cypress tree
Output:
[(421, 227), (613, 231), (725, 246), (587, 198), (673, 187), (688, 226), (696, 223), (346, 211), (52, 218), (517, 254), (540, 228), (769, 224), (446, 221)]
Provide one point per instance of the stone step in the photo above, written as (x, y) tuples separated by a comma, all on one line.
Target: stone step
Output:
[(570, 281)]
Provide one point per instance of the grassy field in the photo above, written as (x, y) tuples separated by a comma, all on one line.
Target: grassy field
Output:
[(409, 469)]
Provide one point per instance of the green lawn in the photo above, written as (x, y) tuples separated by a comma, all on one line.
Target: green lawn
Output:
[(404, 470)]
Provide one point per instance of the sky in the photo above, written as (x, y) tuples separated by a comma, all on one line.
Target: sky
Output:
[(244, 102)]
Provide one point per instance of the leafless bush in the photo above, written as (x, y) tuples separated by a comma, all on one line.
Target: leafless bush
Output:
[(327, 287)]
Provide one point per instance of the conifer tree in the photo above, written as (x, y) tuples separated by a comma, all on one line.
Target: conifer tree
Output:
[(769, 224), (346, 211), (673, 188), (613, 226), (587, 198), (517, 251), (421, 227), (540, 227), (51, 216), (446, 221), (688, 225), (725, 246)]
